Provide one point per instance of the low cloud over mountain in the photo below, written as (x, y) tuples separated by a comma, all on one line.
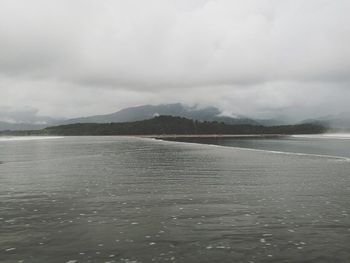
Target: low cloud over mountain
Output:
[(257, 58)]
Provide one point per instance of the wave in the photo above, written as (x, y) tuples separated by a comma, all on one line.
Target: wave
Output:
[(299, 154), (28, 138), (340, 158), (337, 136)]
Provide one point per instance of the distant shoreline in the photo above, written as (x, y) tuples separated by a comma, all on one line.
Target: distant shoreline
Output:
[(163, 136), (173, 136), (174, 127)]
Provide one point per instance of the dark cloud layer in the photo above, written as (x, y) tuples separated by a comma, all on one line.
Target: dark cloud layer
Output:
[(254, 57)]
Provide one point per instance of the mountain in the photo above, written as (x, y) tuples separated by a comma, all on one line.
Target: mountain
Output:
[(129, 115), (273, 122), (145, 112), (176, 125), (149, 111), (336, 123)]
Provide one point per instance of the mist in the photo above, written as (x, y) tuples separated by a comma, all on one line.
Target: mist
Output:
[(262, 59)]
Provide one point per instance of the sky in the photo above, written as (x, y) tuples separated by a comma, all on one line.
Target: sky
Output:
[(259, 58)]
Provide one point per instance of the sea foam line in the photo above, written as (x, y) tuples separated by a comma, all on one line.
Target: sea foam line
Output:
[(342, 158), (296, 153), (336, 136)]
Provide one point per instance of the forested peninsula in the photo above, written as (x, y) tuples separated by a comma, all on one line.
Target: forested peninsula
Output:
[(170, 125)]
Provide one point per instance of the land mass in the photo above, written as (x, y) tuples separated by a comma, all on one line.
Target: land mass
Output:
[(30, 121), (169, 125)]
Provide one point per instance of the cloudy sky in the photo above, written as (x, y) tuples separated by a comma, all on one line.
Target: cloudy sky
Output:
[(261, 58)]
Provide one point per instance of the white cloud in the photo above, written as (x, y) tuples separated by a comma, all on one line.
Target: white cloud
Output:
[(254, 57)]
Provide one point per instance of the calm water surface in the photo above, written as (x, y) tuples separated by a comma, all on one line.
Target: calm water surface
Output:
[(119, 199)]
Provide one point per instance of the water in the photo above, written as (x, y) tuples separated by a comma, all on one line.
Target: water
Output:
[(120, 199), (332, 145)]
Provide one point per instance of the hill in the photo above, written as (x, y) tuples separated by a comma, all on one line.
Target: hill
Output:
[(177, 125), (144, 112), (176, 109)]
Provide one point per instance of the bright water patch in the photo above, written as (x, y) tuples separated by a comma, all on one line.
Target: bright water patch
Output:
[(117, 199), (27, 138)]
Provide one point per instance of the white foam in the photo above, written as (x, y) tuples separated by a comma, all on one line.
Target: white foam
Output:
[(28, 138), (338, 136), (342, 158), (298, 154)]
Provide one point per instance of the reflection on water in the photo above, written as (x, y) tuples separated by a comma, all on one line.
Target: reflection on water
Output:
[(110, 199)]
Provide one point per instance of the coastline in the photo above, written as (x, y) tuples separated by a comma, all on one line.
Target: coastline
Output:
[(238, 136), (160, 136)]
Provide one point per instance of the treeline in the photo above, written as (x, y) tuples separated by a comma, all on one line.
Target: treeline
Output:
[(177, 125)]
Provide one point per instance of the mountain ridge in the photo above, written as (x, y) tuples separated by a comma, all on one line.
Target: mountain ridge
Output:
[(340, 122), (144, 112)]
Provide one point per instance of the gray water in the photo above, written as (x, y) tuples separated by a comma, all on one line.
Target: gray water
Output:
[(119, 199), (330, 145)]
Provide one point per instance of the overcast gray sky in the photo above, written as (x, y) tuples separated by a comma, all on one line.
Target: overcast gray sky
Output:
[(258, 58)]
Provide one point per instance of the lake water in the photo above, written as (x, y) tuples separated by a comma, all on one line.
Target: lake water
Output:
[(123, 199)]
